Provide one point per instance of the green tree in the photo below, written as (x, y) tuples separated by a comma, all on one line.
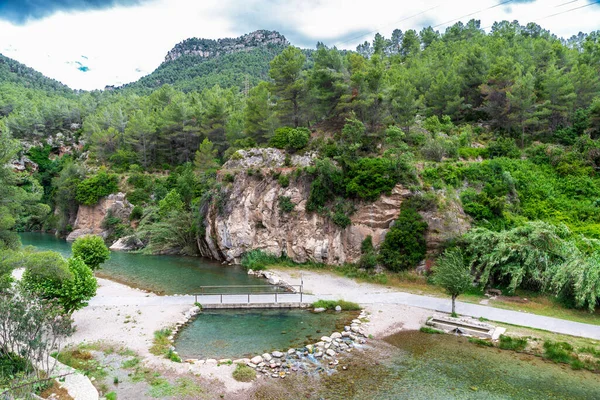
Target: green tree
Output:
[(206, 157), (259, 116), (404, 245), (521, 99), (288, 85), (453, 273), (92, 250)]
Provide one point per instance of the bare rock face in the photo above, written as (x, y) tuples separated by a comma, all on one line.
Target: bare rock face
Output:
[(267, 158), (127, 243), (89, 218), (251, 219), (208, 48)]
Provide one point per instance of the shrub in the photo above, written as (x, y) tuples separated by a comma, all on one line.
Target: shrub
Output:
[(370, 177), (90, 190), (368, 258), (511, 343), (229, 178), (332, 304), (244, 373), (504, 147), (404, 244), (258, 260), (91, 250), (70, 282), (280, 138), (136, 213), (298, 138), (285, 204), (161, 343), (284, 180)]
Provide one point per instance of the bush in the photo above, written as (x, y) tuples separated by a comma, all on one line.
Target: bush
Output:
[(136, 213), (244, 373), (258, 260), (284, 180), (481, 342), (368, 258), (70, 282), (90, 190), (404, 244), (298, 138), (370, 177), (280, 138), (285, 204), (91, 249), (332, 304), (504, 147)]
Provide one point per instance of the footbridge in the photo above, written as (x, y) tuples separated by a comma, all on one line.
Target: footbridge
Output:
[(252, 296)]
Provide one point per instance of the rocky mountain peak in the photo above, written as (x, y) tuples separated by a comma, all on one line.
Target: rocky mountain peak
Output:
[(209, 48)]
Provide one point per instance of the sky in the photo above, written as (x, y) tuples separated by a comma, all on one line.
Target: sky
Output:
[(88, 44)]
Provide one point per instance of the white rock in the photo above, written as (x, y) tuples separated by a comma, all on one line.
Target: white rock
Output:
[(345, 334), (277, 354), (256, 360), (225, 361), (291, 351), (211, 361), (267, 357), (326, 339), (319, 310), (251, 365), (336, 335), (319, 354), (250, 272), (338, 308), (356, 321), (330, 353)]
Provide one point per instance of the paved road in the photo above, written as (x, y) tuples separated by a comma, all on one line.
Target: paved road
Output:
[(388, 297)]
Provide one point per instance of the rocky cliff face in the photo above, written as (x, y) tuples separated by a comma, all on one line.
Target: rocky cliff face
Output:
[(249, 217), (208, 48), (89, 218)]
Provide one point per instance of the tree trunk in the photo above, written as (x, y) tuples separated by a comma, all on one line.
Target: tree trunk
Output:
[(453, 304)]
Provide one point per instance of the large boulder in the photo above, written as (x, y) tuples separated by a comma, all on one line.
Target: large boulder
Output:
[(89, 218)]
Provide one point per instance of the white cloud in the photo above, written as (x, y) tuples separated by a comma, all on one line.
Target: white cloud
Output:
[(125, 43)]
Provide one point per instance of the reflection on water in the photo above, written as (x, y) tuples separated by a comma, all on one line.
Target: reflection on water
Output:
[(160, 274)]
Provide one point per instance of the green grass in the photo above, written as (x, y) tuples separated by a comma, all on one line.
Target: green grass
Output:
[(332, 304), (244, 373), (111, 396), (131, 363), (512, 343), (426, 329), (481, 342), (559, 352), (161, 344), (83, 361)]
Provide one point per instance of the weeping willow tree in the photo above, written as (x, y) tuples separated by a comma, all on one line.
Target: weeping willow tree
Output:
[(537, 256)]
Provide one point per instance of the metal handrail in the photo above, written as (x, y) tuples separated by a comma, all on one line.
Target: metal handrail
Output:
[(203, 293)]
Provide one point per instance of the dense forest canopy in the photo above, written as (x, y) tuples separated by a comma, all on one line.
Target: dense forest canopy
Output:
[(507, 120)]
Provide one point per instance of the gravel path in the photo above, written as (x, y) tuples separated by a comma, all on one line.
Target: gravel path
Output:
[(328, 286)]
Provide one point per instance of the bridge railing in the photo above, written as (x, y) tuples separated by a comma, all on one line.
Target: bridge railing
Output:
[(250, 290)]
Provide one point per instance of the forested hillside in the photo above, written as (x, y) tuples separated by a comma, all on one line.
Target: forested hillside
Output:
[(198, 64), (506, 121)]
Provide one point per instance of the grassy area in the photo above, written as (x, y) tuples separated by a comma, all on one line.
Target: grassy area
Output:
[(244, 373), (161, 345), (332, 304), (83, 361), (411, 282)]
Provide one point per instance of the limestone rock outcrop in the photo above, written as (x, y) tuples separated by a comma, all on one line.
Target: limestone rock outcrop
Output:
[(89, 218), (127, 243)]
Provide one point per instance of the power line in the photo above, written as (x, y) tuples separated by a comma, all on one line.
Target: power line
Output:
[(568, 2), (385, 26), (473, 13), (559, 13)]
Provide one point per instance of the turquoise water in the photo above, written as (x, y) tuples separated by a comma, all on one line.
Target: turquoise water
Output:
[(242, 333), (160, 274)]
